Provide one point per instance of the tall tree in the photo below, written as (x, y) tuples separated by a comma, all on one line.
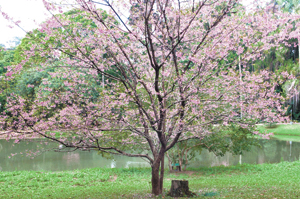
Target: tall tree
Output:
[(291, 6), (169, 84)]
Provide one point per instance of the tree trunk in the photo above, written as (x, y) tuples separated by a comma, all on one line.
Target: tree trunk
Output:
[(170, 162), (180, 188), (180, 164), (162, 171), (179, 158), (157, 180), (186, 159)]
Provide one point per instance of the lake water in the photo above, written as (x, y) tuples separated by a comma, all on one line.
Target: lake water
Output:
[(271, 151)]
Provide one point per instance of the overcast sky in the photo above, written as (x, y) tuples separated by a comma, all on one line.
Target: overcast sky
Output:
[(29, 12)]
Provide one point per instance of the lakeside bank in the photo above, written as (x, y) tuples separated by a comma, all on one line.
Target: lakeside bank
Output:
[(287, 132), (279, 180)]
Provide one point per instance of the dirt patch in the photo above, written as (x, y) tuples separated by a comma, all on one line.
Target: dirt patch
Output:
[(112, 178)]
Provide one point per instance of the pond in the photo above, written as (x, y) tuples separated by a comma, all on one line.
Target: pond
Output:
[(271, 151)]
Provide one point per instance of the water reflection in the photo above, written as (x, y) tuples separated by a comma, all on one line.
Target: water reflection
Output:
[(113, 164), (136, 164), (271, 151), (71, 158), (58, 161)]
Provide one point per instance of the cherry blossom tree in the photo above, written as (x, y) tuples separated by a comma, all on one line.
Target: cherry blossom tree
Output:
[(151, 81)]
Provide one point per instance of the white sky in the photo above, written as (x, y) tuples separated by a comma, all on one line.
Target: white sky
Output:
[(29, 12)]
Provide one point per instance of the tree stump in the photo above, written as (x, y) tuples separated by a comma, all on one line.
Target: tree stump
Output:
[(180, 188)]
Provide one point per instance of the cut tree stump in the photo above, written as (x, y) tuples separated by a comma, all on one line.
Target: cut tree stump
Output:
[(180, 188)]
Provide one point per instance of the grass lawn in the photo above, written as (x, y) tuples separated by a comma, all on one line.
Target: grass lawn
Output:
[(243, 181), (286, 132)]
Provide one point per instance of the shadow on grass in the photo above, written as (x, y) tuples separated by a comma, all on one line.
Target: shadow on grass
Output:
[(271, 126), (243, 168)]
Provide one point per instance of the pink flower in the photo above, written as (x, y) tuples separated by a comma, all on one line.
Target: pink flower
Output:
[(9, 74), (240, 50)]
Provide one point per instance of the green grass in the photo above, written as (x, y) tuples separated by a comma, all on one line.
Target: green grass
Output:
[(87, 183), (281, 129), (285, 132), (243, 181)]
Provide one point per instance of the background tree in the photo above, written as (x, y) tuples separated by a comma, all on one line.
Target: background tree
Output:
[(231, 139), (292, 56), (169, 85), (291, 6), (6, 60)]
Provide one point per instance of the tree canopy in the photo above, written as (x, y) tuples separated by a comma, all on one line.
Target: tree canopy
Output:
[(172, 78)]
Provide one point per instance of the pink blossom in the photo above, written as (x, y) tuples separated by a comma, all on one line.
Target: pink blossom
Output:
[(127, 84), (240, 50), (9, 74)]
